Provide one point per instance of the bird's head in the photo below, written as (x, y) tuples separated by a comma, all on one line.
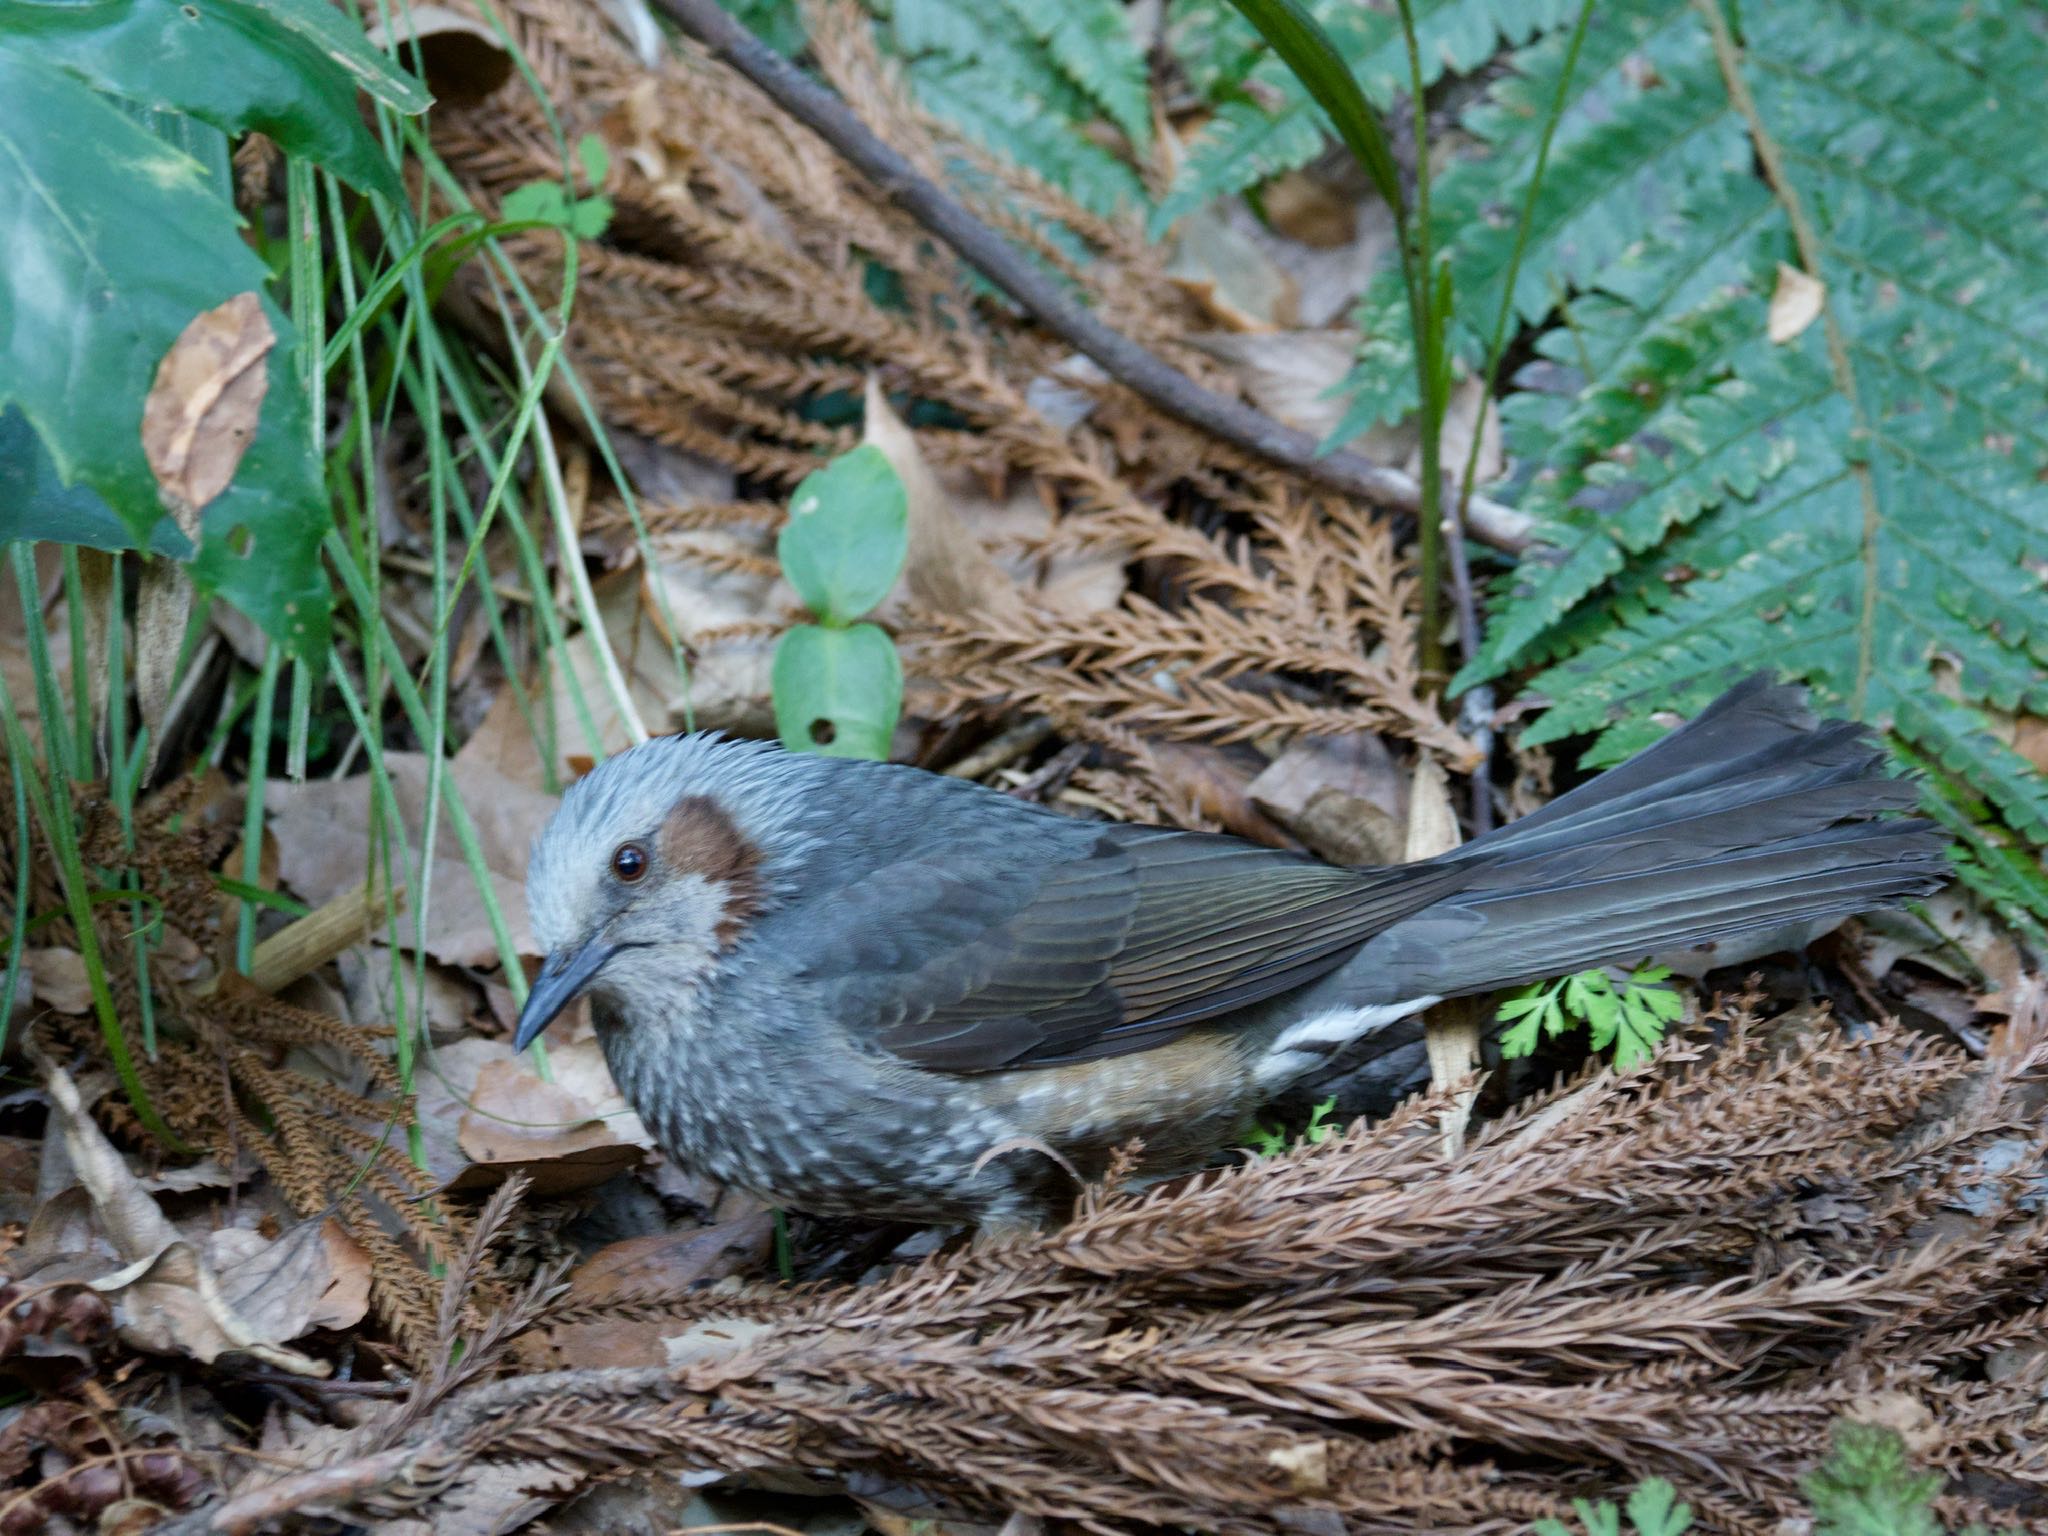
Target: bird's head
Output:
[(655, 866)]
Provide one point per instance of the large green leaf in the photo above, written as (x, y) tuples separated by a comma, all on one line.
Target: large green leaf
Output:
[(286, 68), (111, 244)]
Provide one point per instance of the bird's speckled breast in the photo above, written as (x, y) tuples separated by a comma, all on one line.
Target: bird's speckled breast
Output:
[(832, 1129)]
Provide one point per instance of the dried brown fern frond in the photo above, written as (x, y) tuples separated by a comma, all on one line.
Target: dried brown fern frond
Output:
[(1374, 1335), (222, 1082), (734, 293)]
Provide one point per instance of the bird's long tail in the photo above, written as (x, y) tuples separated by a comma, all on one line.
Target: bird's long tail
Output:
[(1754, 817)]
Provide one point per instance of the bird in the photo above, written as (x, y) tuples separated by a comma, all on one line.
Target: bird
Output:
[(861, 989)]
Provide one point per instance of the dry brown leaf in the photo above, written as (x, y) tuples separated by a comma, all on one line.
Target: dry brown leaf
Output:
[(1230, 275), (946, 568), (667, 1263), (201, 413), (105, 1231), (484, 1113), (1795, 303), (323, 841), (164, 595)]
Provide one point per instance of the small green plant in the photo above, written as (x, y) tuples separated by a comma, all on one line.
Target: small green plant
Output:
[(1653, 1510), (548, 202), (1269, 1141), (1868, 1486), (1631, 1018), (838, 684)]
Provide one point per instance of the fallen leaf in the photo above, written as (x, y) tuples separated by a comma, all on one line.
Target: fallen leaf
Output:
[(1229, 274), (1359, 766), (200, 414), (485, 1113), (1304, 207), (665, 1262), (322, 828), (59, 979), (1290, 375), (313, 1275), (164, 595), (1795, 303), (460, 59), (946, 567), (105, 1231)]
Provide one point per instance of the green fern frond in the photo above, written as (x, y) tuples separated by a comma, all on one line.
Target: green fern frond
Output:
[(1645, 125), (1893, 555), (1091, 43)]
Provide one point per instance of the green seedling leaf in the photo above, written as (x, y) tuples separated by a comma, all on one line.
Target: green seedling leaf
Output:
[(847, 535), (1654, 1510), (129, 307), (1631, 1020), (286, 68), (837, 691), (545, 202), (595, 159)]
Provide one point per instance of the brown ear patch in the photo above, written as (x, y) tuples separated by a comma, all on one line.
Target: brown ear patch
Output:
[(698, 838)]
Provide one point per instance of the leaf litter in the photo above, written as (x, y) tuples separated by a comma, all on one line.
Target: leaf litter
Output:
[(1079, 561)]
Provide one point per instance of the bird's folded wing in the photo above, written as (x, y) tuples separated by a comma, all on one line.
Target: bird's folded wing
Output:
[(970, 964)]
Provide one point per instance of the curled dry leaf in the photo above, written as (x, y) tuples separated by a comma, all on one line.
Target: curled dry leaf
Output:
[(59, 979), (103, 1230), (485, 1113), (461, 59), (201, 412), (1291, 375)]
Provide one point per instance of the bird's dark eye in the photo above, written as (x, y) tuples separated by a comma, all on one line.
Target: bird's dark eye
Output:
[(630, 862)]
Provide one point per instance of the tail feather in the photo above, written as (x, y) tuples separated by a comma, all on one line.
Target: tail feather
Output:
[(1752, 818)]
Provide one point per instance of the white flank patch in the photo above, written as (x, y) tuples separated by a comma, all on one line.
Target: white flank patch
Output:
[(1308, 1043)]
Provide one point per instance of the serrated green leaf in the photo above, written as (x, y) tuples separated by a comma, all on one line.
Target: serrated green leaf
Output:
[(1520, 1039), (847, 535), (115, 244), (286, 68), (1599, 1519), (1654, 1510), (837, 692), (1092, 44)]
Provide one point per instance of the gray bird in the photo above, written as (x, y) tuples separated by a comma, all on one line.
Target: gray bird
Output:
[(857, 988)]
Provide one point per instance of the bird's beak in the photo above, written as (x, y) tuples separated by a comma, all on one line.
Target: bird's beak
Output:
[(565, 973)]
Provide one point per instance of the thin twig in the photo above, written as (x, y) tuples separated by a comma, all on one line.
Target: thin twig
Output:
[(1040, 296)]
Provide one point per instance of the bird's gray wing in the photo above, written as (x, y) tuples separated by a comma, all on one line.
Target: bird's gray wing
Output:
[(966, 963)]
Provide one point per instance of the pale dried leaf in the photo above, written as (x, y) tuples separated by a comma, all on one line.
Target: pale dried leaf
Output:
[(947, 568), (1795, 303), (323, 838), (201, 413), (165, 1297), (163, 607), (1291, 375), (59, 979)]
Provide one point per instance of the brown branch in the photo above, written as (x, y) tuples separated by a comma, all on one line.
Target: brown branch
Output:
[(1120, 357)]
